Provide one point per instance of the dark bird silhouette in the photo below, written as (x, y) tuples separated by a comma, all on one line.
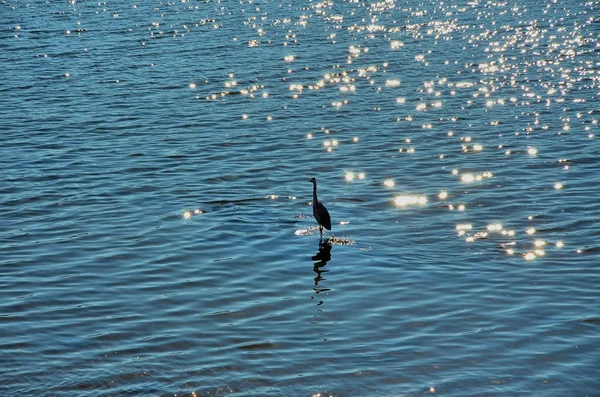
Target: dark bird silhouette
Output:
[(319, 211)]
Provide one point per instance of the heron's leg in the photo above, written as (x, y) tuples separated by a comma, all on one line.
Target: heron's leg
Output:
[(321, 230)]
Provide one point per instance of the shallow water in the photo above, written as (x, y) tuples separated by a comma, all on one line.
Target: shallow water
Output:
[(157, 232)]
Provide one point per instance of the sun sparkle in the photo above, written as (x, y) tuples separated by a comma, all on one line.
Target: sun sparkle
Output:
[(406, 200)]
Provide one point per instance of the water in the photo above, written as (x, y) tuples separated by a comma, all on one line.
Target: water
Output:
[(157, 236)]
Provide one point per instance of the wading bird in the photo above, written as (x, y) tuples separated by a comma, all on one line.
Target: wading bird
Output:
[(319, 211)]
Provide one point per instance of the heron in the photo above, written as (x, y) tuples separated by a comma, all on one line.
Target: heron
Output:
[(319, 211)]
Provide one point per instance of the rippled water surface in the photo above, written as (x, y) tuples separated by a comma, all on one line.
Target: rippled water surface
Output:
[(157, 234)]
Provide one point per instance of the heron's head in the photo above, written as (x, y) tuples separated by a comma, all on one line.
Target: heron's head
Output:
[(313, 180)]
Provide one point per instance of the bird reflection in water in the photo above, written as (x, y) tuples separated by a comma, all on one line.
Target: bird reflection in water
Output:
[(322, 256)]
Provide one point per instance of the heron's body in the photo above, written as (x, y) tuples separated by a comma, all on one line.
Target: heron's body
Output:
[(319, 211)]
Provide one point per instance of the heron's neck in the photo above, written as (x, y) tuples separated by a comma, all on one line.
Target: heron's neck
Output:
[(315, 192)]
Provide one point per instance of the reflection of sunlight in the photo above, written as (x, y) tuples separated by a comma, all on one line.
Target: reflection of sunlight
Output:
[(350, 176), (187, 214), (461, 229), (403, 201), (494, 227), (532, 151), (395, 44), (302, 232), (467, 178), (456, 148)]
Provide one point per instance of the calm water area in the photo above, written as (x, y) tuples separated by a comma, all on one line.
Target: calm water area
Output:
[(156, 228)]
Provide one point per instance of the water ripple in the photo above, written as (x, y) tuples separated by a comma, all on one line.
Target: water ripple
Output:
[(158, 235)]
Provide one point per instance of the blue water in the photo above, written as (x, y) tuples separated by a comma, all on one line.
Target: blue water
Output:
[(156, 225)]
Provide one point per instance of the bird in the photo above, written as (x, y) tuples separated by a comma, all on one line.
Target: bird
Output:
[(319, 211)]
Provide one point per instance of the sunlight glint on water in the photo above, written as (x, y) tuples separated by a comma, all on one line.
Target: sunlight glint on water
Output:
[(158, 234)]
